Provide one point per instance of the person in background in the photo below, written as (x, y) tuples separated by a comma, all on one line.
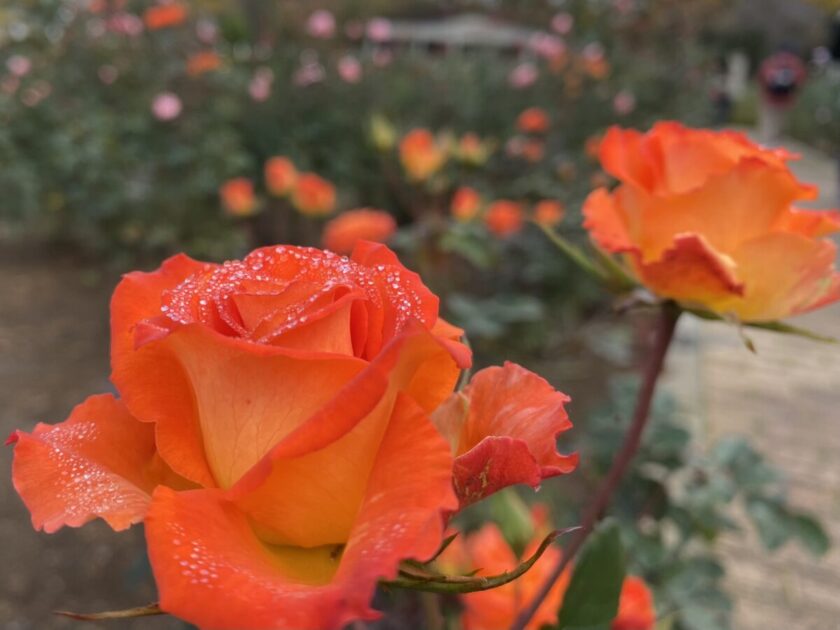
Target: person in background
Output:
[(780, 78)]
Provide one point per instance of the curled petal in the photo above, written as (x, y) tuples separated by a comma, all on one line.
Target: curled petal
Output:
[(607, 222), (100, 462), (503, 429), (812, 223), (691, 271), (213, 570), (138, 297)]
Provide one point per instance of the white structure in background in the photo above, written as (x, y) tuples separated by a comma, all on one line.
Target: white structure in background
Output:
[(465, 32)]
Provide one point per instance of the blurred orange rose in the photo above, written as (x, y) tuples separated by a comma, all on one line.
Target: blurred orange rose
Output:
[(549, 212), (707, 218), (489, 552), (533, 120), (313, 195), (365, 224), (280, 176), (421, 154), (238, 197), (205, 61), (165, 15), (466, 203), (504, 217)]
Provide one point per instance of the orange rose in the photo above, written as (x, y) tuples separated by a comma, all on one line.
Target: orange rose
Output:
[(466, 203), (164, 15), (504, 218), (342, 233), (707, 218), (421, 155), (313, 195), (238, 197), (549, 212), (202, 62), (474, 419), (488, 551), (280, 176), (533, 120), (268, 409)]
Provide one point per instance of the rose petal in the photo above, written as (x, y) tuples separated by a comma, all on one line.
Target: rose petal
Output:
[(691, 271), (607, 223), (335, 481), (221, 403), (213, 571), (138, 297), (812, 223), (784, 274), (503, 429), (635, 606), (100, 462)]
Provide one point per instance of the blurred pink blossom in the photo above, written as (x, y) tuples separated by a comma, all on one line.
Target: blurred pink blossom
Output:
[(260, 86), (207, 31), (624, 103), (36, 93), (166, 106), (523, 75), (548, 46), (108, 74), (124, 23), (593, 51), (308, 73), (563, 23), (349, 69), (321, 24), (624, 6), (379, 29), (19, 65)]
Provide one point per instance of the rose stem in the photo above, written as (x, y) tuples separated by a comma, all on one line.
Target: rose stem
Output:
[(666, 324)]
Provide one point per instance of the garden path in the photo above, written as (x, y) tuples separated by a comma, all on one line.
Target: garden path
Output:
[(786, 399)]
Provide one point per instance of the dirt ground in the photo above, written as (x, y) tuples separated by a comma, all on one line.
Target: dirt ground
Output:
[(53, 353)]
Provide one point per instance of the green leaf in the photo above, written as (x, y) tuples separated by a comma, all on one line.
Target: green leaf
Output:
[(771, 521), (591, 601), (811, 534), (129, 613)]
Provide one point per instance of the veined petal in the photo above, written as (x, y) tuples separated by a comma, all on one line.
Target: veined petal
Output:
[(100, 462), (212, 569), (503, 429)]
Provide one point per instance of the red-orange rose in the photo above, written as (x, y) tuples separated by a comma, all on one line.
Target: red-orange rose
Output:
[(533, 120), (504, 218), (267, 410), (313, 195), (280, 176), (708, 219), (203, 62), (466, 203), (238, 197), (365, 224), (164, 15)]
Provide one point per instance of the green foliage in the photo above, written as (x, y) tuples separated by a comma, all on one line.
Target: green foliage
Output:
[(678, 501), (591, 600)]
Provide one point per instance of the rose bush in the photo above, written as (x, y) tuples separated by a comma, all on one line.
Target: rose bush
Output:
[(708, 219), (273, 434)]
